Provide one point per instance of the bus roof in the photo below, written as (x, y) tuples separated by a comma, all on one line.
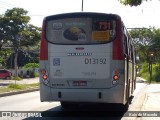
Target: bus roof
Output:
[(80, 14)]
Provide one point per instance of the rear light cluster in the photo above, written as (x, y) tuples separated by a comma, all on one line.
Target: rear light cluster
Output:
[(116, 76), (44, 44), (44, 76)]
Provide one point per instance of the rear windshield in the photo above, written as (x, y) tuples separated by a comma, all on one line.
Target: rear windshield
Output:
[(80, 30)]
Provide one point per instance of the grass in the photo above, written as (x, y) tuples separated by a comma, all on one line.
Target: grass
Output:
[(146, 76), (144, 73), (12, 87), (16, 78)]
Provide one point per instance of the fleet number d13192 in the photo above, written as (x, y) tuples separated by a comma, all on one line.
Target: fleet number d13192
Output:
[(95, 60)]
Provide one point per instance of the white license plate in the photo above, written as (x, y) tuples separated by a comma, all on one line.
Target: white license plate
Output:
[(79, 83)]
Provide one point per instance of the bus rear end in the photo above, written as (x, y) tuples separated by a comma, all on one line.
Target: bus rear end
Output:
[(79, 60)]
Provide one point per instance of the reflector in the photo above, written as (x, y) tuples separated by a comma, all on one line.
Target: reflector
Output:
[(117, 72), (115, 77), (43, 71), (45, 77)]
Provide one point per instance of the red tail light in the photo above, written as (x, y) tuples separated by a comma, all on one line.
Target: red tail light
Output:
[(43, 72), (117, 72), (118, 43), (44, 44), (44, 76), (116, 76)]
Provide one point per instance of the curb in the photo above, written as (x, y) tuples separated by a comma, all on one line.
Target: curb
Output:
[(18, 92), (145, 100)]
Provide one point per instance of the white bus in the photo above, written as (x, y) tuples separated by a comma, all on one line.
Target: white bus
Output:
[(86, 58)]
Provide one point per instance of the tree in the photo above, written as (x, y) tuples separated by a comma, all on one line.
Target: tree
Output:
[(2, 32), (147, 41), (4, 55), (4, 52), (142, 38), (131, 2), (15, 27), (156, 44)]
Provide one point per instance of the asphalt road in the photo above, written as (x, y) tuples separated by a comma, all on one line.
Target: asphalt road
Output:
[(31, 102)]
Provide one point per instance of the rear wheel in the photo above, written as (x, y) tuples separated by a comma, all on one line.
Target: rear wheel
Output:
[(126, 106), (122, 107)]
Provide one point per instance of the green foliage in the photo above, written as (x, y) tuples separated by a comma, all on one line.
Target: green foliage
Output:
[(31, 65), (23, 59), (30, 36), (15, 27), (145, 68), (32, 75), (16, 78), (146, 41), (36, 74), (143, 40), (144, 72), (146, 76), (4, 56), (15, 86), (131, 2), (15, 21), (156, 73), (156, 44)]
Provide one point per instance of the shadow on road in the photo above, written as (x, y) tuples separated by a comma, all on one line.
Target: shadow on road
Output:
[(141, 81), (83, 112)]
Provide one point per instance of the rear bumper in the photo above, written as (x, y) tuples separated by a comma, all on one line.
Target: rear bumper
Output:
[(112, 95)]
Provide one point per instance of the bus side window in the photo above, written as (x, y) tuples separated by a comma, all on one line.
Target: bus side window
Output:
[(133, 54), (125, 46), (129, 49), (125, 41)]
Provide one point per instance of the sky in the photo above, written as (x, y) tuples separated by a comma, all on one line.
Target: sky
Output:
[(144, 15)]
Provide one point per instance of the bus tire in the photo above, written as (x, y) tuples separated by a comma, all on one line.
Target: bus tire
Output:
[(65, 105), (124, 107)]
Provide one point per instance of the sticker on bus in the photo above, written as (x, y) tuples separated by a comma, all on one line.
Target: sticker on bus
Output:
[(74, 34), (56, 62), (100, 36)]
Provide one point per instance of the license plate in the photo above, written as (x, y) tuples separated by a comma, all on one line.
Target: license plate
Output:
[(79, 83)]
